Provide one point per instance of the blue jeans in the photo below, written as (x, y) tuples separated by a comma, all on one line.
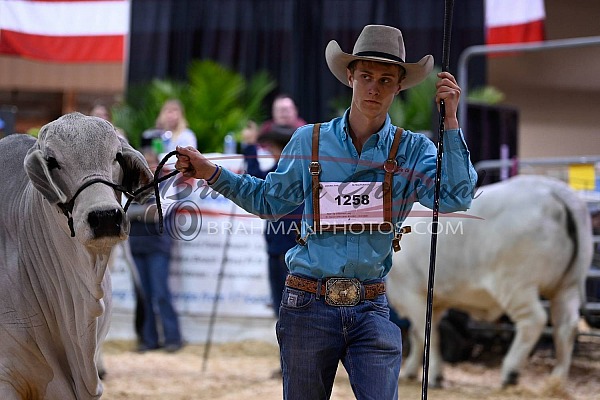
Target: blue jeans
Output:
[(153, 269), (314, 336)]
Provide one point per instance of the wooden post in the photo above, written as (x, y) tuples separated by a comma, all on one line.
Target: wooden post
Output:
[(69, 103)]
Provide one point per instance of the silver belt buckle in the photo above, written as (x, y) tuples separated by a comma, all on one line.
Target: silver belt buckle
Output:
[(342, 292)]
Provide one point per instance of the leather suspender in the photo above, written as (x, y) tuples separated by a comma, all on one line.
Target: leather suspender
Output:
[(389, 166), (315, 170)]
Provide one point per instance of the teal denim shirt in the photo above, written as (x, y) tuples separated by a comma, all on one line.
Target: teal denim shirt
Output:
[(360, 254)]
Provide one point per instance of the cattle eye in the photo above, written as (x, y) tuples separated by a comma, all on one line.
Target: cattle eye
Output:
[(52, 163), (121, 160)]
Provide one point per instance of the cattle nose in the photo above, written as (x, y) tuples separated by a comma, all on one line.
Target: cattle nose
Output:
[(105, 222)]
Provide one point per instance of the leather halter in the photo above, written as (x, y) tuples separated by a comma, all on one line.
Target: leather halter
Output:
[(67, 208)]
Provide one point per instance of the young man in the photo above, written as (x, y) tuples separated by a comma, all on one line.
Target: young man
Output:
[(358, 177)]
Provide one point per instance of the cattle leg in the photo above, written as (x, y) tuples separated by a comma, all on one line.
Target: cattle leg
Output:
[(529, 317), (410, 366), (413, 363), (436, 375), (564, 312)]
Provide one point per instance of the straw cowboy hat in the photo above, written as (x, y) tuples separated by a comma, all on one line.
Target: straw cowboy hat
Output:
[(382, 44)]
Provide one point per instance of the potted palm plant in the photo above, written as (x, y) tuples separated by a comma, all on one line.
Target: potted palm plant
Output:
[(217, 101)]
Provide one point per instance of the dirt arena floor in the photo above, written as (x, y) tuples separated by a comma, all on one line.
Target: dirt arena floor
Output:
[(245, 370)]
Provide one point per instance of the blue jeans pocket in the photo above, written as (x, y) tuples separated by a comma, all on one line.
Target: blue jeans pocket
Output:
[(295, 299), (380, 306)]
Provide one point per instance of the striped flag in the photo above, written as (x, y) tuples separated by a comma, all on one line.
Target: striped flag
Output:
[(514, 21), (67, 31)]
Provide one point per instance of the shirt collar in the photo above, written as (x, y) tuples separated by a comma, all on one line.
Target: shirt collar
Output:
[(382, 135), (345, 127)]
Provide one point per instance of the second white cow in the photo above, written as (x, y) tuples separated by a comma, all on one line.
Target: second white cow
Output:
[(531, 238)]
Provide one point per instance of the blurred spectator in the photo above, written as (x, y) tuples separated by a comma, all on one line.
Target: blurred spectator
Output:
[(151, 252), (280, 235), (171, 120), (100, 110), (283, 113)]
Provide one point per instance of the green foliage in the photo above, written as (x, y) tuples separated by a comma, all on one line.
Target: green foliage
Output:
[(417, 105), (34, 132), (486, 95), (339, 104), (217, 101)]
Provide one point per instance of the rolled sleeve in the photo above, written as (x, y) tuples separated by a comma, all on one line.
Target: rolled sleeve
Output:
[(458, 174), (280, 193)]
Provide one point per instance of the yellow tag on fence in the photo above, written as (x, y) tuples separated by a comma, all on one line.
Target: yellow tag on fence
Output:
[(582, 176)]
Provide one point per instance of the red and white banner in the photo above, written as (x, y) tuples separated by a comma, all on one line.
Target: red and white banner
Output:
[(65, 30), (514, 21)]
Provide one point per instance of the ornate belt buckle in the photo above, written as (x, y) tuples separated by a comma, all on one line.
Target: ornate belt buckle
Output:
[(342, 292)]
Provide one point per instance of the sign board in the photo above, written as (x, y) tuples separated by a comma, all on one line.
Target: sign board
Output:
[(214, 239)]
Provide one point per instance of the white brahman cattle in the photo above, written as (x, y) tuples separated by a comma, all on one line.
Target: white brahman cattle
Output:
[(54, 288), (531, 238)]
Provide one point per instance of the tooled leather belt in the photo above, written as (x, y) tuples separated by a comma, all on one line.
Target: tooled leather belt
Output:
[(338, 291)]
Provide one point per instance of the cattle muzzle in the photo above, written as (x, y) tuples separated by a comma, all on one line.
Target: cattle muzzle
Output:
[(105, 222)]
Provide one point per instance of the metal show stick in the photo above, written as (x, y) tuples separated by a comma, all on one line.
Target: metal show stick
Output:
[(448, 8)]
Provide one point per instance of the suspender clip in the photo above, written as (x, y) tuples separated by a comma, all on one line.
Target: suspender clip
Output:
[(390, 165), (398, 236), (314, 168)]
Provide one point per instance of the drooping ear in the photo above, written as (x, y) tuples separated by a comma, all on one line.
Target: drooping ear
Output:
[(38, 171), (136, 172)]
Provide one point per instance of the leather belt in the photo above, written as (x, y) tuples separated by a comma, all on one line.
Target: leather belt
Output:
[(333, 288)]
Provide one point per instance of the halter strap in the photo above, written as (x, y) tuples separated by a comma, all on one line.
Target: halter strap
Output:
[(67, 208)]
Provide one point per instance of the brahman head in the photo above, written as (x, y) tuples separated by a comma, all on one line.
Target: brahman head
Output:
[(80, 165)]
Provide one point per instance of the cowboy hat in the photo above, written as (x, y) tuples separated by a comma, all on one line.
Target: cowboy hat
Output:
[(378, 43)]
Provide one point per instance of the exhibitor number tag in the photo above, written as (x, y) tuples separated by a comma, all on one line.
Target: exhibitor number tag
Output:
[(349, 203)]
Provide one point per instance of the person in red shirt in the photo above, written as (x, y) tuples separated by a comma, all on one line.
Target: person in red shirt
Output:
[(284, 113)]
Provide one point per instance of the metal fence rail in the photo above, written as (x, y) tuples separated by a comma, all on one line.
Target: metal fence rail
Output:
[(511, 49)]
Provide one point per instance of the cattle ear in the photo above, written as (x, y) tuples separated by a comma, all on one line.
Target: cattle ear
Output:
[(136, 172), (39, 174)]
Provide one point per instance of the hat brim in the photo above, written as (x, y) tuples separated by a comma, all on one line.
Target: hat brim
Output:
[(338, 61)]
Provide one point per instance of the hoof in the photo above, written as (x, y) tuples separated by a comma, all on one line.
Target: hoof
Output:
[(511, 380), (411, 377), (437, 382)]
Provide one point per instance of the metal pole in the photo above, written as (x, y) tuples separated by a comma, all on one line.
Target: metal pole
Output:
[(215, 304), (469, 52), (220, 277), (448, 11)]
